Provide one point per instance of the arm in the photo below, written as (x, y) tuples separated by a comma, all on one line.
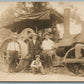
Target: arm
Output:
[(53, 44), (29, 47), (42, 45), (40, 64), (8, 48), (32, 64)]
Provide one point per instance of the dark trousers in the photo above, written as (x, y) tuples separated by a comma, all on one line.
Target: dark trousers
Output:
[(13, 56), (47, 58)]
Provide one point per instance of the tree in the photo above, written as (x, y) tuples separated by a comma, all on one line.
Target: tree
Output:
[(39, 6), (7, 16), (74, 15), (20, 9), (30, 7), (23, 8)]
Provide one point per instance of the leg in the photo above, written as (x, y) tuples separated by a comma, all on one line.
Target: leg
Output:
[(11, 55), (15, 57), (41, 70), (34, 70), (27, 63), (46, 64), (45, 61), (50, 63)]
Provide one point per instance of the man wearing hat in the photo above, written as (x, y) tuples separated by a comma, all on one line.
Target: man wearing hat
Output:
[(36, 65), (13, 50), (34, 46), (47, 47)]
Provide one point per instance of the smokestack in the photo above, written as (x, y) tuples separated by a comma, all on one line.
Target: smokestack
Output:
[(66, 22), (82, 27)]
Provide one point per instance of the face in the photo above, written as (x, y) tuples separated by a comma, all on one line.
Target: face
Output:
[(28, 34), (46, 37), (14, 39), (39, 34), (35, 37), (37, 59)]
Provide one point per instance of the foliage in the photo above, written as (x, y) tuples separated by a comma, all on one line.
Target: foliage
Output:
[(74, 15), (30, 7), (23, 8), (20, 9)]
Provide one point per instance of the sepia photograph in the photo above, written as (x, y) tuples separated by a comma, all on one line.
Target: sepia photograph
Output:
[(42, 41)]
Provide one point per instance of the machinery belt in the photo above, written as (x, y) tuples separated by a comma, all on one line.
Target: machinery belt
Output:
[(70, 60)]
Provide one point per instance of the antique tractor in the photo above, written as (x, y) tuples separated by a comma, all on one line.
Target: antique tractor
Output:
[(71, 48), (23, 48)]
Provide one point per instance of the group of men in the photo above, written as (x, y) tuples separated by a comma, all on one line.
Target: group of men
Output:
[(41, 52)]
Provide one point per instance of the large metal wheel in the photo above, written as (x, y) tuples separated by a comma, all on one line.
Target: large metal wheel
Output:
[(21, 64), (72, 66)]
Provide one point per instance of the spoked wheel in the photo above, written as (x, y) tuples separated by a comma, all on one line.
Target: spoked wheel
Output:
[(73, 66), (4, 57)]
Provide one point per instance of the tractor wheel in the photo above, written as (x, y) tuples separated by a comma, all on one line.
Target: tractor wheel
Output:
[(21, 64), (71, 66)]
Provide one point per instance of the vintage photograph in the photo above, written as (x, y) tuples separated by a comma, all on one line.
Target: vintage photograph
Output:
[(42, 41)]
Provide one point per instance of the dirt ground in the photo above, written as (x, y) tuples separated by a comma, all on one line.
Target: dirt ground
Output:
[(59, 75)]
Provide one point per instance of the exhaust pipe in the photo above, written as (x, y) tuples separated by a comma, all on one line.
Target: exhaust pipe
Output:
[(66, 23), (82, 27)]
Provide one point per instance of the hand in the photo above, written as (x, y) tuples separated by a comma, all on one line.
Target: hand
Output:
[(37, 66)]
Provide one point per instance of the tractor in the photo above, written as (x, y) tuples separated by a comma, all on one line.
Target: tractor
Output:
[(71, 47)]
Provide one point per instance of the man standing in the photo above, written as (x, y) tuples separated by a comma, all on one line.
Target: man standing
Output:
[(13, 50), (28, 37), (34, 46), (48, 52)]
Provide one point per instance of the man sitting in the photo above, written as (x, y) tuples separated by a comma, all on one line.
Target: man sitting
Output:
[(36, 65)]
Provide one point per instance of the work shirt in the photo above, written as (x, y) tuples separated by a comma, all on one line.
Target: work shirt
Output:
[(13, 46), (47, 44), (36, 63), (34, 41)]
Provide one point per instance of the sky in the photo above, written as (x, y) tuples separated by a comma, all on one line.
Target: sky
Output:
[(74, 28), (5, 5)]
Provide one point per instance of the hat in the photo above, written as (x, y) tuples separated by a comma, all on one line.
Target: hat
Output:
[(46, 33), (37, 56), (14, 36)]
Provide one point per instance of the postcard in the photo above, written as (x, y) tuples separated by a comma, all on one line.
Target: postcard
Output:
[(42, 41)]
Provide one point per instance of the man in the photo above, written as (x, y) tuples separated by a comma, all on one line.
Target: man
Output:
[(28, 37), (36, 65), (34, 46), (47, 53), (33, 49), (13, 50), (39, 34)]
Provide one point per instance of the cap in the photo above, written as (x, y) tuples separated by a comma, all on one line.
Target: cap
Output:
[(37, 56), (46, 33)]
